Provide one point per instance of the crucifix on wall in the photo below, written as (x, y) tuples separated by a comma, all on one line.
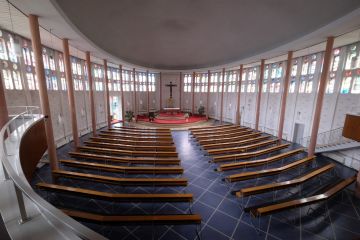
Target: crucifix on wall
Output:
[(171, 85)]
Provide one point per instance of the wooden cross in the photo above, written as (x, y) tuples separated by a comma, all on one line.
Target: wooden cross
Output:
[(171, 85)]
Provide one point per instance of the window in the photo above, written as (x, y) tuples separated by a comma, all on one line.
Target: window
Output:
[(151, 82), (346, 84), (330, 84), (309, 85), (11, 49), (305, 66), (187, 83), (3, 51), (352, 60), (302, 85), (313, 64), (292, 85), (45, 59), (17, 80), (52, 63), (63, 84), (54, 83), (294, 69), (356, 85), (232, 79), (30, 81), (266, 72), (61, 64), (213, 82), (8, 79), (26, 55), (335, 60)]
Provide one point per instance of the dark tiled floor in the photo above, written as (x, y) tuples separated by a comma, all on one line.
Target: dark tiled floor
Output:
[(222, 215)]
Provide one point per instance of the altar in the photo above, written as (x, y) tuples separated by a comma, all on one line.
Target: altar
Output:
[(171, 110)]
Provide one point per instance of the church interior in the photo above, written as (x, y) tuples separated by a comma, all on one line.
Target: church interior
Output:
[(201, 120)]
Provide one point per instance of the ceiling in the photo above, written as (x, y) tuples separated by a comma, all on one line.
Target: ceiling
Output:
[(193, 34), (188, 34)]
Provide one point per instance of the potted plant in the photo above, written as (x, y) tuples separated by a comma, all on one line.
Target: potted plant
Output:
[(129, 115), (201, 110)]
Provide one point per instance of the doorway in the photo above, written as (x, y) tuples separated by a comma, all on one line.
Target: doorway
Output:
[(298, 132), (115, 109)]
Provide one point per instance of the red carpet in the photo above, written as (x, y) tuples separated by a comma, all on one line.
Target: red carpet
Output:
[(176, 119)]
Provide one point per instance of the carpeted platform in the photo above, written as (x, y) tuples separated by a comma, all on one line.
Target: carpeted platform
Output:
[(176, 118)]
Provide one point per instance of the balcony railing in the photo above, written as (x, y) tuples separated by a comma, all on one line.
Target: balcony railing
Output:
[(24, 212)]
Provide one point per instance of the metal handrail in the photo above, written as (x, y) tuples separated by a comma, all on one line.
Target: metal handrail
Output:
[(331, 137), (55, 216)]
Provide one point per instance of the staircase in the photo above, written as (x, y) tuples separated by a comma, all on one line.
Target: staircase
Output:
[(330, 141)]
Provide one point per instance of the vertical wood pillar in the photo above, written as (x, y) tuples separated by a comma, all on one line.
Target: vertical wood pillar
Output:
[(193, 93), (320, 96), (4, 114), (222, 96), (147, 90), (160, 76), (208, 95), (237, 119), (122, 94), (180, 90), (44, 99), (70, 92), (91, 92), (107, 95), (284, 96), (135, 98), (258, 101)]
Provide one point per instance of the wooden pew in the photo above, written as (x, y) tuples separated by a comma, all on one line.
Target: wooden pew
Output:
[(274, 208), (131, 160), (259, 162), (194, 129), (115, 132), (135, 129), (240, 149), (228, 139), (233, 134), (219, 131), (131, 142), (136, 219), (229, 157), (121, 197), (123, 169), (132, 138), (130, 147), (121, 181), (128, 152), (245, 192), (267, 172), (234, 144)]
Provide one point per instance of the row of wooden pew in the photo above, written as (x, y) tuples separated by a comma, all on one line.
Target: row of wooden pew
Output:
[(129, 152), (245, 148)]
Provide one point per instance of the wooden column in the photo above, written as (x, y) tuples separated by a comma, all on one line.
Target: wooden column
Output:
[(135, 100), (122, 93), (180, 90), (147, 90), (193, 92), (208, 95), (320, 96), (237, 119), (44, 99), (4, 114), (70, 92), (107, 94), (160, 76), (258, 101), (91, 91), (284, 96), (222, 96)]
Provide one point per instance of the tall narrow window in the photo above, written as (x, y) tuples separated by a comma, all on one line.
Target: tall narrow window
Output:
[(330, 84), (355, 89), (8, 79)]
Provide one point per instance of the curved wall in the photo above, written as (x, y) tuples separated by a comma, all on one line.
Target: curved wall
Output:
[(32, 147)]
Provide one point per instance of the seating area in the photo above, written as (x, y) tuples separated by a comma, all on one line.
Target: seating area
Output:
[(109, 172), (255, 156)]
